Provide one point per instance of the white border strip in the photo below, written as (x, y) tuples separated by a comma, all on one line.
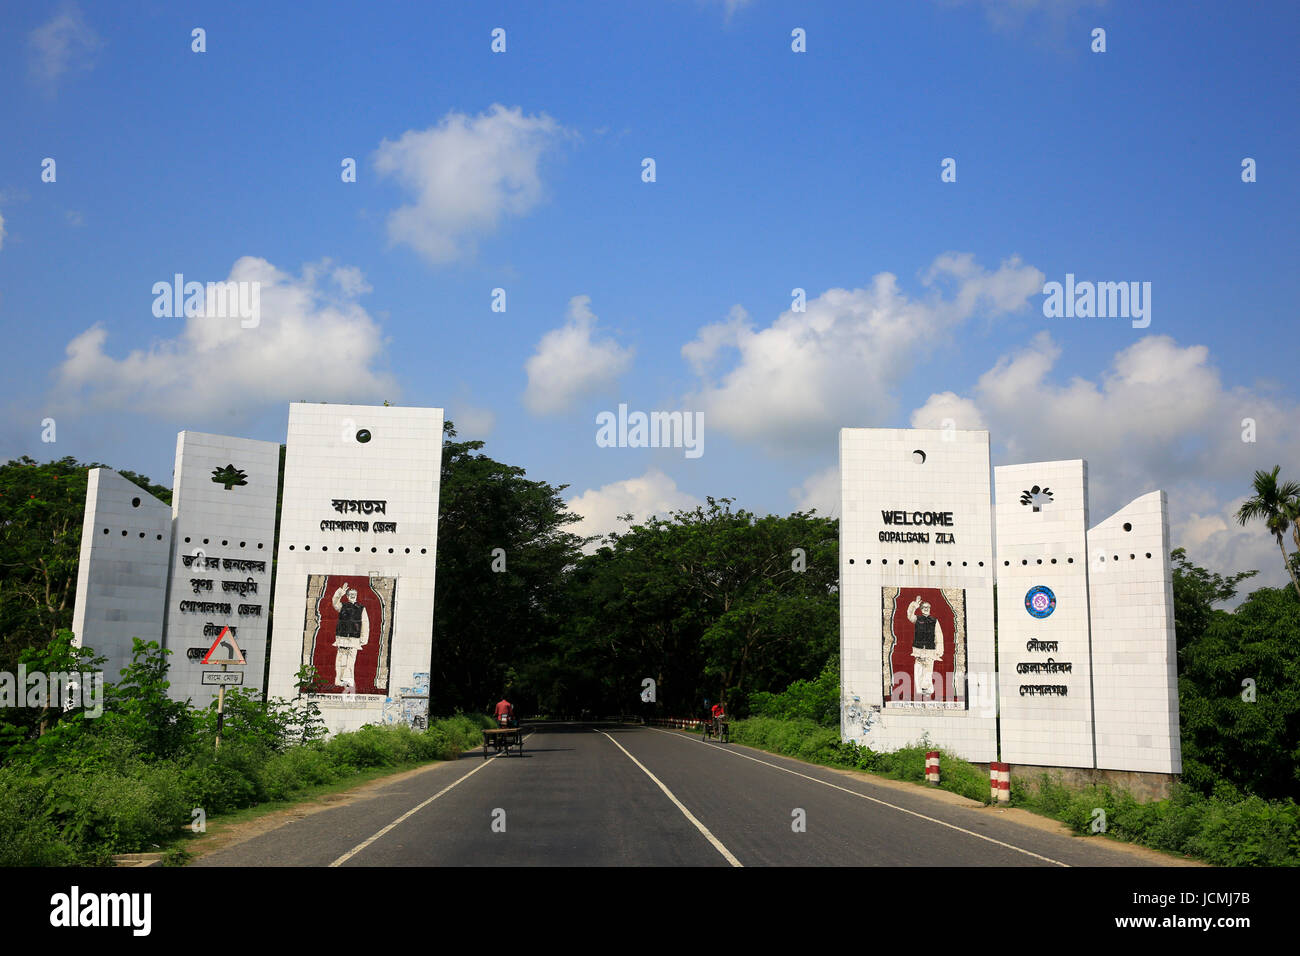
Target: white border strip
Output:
[(826, 783), (717, 844)]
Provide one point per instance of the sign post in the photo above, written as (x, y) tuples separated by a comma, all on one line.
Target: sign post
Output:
[(223, 677)]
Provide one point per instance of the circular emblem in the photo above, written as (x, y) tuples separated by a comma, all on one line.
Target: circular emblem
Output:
[(1040, 601)]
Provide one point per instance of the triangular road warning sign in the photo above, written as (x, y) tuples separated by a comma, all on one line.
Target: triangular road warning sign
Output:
[(225, 637)]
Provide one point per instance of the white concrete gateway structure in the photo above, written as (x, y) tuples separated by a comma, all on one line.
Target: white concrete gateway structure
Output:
[(126, 537), (1086, 658), (223, 539), (916, 568), (355, 567), (354, 572)]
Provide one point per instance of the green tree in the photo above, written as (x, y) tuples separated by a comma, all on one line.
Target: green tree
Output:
[(503, 556), (710, 603), (1276, 504), (1239, 698)]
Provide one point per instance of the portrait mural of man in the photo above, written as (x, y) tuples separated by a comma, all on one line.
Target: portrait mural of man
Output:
[(348, 631), (924, 646)]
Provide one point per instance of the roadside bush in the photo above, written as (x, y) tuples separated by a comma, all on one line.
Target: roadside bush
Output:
[(27, 836)]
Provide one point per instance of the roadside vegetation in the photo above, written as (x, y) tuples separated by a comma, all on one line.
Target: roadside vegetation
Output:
[(132, 779)]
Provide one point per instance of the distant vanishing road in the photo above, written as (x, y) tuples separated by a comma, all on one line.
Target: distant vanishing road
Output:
[(610, 795)]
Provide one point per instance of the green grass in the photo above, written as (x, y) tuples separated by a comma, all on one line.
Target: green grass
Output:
[(807, 740), (87, 812)]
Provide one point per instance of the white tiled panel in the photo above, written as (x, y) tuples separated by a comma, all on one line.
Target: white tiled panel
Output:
[(216, 529), (1134, 653), (400, 465), (881, 471), (1043, 548), (122, 571)]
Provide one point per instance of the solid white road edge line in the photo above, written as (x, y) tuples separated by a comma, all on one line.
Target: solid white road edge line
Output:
[(883, 803), (717, 844), (365, 843)]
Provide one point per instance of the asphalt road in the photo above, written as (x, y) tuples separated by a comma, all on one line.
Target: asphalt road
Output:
[(602, 795)]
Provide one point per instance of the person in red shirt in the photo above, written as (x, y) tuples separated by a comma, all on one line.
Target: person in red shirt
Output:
[(719, 710), (505, 713)]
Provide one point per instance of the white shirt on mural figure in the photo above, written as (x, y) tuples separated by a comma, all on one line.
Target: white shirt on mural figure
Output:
[(927, 644), (351, 633)]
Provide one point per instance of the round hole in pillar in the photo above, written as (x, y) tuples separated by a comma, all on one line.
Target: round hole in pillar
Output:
[(1069, 560), (124, 534), (1024, 561), (224, 543), (1040, 560), (1006, 564), (918, 456), (1117, 557), (850, 560), (390, 550), (931, 564), (868, 561), (963, 564), (306, 547), (357, 549), (290, 547), (135, 502), (424, 550), (917, 561), (373, 550), (259, 546), (981, 564), (142, 534), (1053, 560), (205, 540), (243, 543), (1132, 557), (949, 564), (187, 540), (363, 435), (341, 549), (1127, 526), (900, 560), (408, 550), (1148, 554), (106, 532), (159, 537)]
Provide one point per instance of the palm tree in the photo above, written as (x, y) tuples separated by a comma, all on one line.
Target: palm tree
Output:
[(1278, 505)]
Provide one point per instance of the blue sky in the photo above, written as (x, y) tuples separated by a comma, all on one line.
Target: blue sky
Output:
[(774, 170)]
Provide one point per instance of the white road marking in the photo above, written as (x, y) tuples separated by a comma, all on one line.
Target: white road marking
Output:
[(717, 844), (883, 803), (409, 813)]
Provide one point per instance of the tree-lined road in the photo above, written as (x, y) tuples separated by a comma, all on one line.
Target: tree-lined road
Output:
[(609, 795)]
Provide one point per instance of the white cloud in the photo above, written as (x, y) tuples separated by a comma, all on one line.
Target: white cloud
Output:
[(472, 422), (2, 232), (1159, 417), (64, 42), (654, 493), (797, 381), (313, 342), (467, 173), (570, 363), (820, 490)]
